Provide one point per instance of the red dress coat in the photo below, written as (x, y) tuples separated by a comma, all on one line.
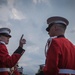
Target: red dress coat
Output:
[(60, 55), (7, 61)]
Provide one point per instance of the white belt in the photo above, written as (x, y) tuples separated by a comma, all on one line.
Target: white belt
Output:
[(66, 71), (4, 69)]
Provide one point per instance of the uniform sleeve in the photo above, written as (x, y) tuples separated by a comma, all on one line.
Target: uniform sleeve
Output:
[(6, 59), (53, 54)]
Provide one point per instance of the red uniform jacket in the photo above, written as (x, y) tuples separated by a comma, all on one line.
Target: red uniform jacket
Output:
[(60, 55), (7, 61)]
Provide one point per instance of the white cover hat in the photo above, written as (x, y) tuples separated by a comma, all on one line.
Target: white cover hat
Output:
[(5, 31), (56, 19)]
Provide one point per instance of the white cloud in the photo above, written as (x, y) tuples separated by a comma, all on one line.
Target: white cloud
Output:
[(4, 14), (32, 49), (40, 1), (10, 12), (17, 14), (11, 3), (4, 17), (22, 64), (6, 10)]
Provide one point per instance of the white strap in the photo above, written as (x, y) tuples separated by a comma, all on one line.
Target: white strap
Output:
[(57, 22), (4, 69), (66, 71), (49, 41)]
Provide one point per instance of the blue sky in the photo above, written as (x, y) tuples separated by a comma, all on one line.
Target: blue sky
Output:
[(29, 17)]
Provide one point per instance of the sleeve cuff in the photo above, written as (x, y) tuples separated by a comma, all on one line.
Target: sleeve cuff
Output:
[(20, 50), (40, 73)]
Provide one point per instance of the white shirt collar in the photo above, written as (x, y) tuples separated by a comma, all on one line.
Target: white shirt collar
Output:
[(2, 42)]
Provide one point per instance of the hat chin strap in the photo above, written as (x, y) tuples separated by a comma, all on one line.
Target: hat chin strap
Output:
[(49, 41)]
